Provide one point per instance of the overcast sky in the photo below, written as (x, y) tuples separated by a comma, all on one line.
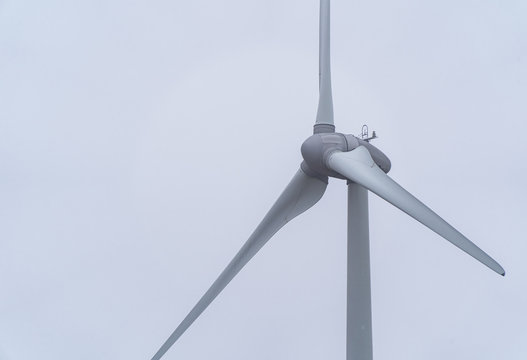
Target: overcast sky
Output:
[(141, 142)]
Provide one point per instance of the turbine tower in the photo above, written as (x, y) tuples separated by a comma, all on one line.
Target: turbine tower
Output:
[(331, 154)]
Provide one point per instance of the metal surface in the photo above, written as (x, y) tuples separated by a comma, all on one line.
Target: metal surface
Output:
[(358, 327)]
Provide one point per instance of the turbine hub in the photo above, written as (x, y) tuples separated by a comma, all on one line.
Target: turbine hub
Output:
[(318, 147)]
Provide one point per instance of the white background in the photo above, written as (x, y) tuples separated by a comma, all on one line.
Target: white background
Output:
[(142, 142)]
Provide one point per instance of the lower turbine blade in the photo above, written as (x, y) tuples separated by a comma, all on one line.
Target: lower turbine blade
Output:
[(302, 193), (358, 166)]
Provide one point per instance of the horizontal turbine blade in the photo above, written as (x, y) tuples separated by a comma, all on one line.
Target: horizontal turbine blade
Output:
[(358, 166), (302, 193)]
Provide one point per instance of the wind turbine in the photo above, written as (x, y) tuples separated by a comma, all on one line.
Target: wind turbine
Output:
[(330, 154)]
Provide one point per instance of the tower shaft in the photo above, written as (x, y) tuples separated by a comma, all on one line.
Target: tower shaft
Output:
[(359, 327)]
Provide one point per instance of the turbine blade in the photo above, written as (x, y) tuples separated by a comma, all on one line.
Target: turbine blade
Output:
[(358, 166), (325, 101), (302, 193)]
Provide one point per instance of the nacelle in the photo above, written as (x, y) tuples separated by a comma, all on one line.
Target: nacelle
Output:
[(318, 147)]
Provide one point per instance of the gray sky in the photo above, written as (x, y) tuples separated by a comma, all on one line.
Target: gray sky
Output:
[(142, 142)]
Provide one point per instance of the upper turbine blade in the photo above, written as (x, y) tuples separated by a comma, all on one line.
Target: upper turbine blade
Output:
[(325, 101), (302, 193), (358, 166)]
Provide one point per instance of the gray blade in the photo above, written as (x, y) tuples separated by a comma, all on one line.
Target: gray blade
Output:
[(358, 166), (302, 193), (325, 101)]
